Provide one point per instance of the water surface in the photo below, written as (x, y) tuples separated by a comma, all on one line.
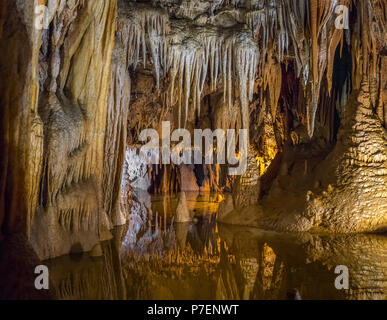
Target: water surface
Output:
[(154, 258)]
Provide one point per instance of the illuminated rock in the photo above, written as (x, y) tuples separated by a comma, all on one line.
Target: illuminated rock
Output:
[(182, 213)]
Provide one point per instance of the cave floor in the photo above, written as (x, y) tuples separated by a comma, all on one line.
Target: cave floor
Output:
[(154, 258)]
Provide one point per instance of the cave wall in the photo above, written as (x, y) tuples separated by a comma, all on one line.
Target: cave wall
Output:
[(21, 127), (75, 61), (62, 132)]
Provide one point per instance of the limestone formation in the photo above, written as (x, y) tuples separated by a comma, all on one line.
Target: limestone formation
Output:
[(76, 92), (61, 101), (182, 212)]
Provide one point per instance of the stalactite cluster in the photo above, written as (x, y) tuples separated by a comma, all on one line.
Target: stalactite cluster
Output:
[(284, 69), (282, 31), (200, 47), (308, 83)]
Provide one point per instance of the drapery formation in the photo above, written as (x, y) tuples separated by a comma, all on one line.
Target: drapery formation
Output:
[(57, 112)]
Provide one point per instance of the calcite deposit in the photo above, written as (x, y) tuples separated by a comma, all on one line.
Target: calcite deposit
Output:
[(306, 78)]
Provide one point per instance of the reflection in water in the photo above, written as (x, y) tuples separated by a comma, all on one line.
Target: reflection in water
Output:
[(154, 258)]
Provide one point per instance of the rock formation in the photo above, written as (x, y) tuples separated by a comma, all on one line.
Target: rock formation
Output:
[(307, 83), (61, 138), (182, 212)]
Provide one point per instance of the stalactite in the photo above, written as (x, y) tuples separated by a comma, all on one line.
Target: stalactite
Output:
[(268, 27), (273, 81), (141, 29), (188, 73), (227, 54), (314, 58), (245, 62), (367, 39), (197, 52), (116, 135)]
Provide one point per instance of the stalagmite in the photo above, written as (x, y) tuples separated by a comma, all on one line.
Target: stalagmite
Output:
[(182, 212)]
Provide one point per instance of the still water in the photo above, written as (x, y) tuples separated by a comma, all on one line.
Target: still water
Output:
[(154, 258)]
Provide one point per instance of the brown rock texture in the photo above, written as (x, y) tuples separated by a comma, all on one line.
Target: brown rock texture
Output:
[(62, 137), (346, 192), (182, 213), (356, 199), (76, 94), (73, 105)]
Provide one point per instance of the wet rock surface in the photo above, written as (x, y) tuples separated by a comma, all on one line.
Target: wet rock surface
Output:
[(76, 94)]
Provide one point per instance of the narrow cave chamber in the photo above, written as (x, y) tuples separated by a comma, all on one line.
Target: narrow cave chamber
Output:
[(191, 149)]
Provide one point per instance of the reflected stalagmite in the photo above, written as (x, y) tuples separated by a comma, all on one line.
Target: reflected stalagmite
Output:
[(182, 213)]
